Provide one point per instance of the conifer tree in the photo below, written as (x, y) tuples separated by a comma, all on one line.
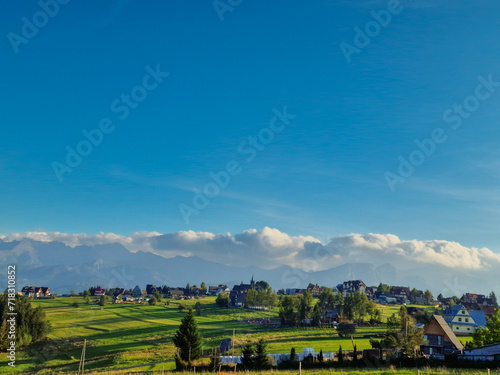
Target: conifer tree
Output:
[(292, 354), (261, 361), (341, 355), (248, 358), (187, 338)]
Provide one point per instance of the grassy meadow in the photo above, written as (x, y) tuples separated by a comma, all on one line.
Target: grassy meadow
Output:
[(129, 334)]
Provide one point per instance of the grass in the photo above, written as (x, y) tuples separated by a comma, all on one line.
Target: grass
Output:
[(121, 335)]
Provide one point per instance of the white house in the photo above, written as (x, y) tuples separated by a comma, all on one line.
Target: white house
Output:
[(464, 322)]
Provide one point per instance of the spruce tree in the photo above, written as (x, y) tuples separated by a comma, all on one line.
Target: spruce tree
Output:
[(187, 338), (248, 358), (261, 361), (341, 355), (292, 354)]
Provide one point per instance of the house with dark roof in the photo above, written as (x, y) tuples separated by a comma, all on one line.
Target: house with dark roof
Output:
[(238, 294), (482, 353), (315, 290), (440, 339), (401, 293), (175, 292), (348, 288), (137, 292), (464, 322)]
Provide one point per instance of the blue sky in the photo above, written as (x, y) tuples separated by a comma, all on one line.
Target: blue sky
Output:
[(321, 176)]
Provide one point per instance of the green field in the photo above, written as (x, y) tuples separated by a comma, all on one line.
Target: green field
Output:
[(121, 335)]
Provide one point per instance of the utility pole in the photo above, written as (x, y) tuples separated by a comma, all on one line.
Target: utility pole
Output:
[(232, 359), (81, 366)]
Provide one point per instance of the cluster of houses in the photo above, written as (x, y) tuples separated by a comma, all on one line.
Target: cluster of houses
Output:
[(36, 291), (397, 294)]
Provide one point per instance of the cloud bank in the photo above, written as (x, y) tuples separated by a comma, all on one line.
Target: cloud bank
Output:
[(271, 248)]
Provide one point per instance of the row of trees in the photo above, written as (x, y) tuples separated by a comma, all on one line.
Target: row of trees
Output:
[(255, 356), (264, 297), (295, 309)]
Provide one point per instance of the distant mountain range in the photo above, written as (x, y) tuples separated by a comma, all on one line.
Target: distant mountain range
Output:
[(63, 268)]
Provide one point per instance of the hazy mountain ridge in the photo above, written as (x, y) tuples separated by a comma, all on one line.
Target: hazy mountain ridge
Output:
[(64, 268)]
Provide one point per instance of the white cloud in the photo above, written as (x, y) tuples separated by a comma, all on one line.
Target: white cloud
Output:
[(269, 248)]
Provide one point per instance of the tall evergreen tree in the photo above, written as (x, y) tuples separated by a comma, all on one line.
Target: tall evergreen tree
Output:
[(261, 360), (248, 357), (292, 354), (340, 355), (493, 298), (187, 338)]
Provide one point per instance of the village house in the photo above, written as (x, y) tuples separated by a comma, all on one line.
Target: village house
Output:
[(315, 290), (440, 339), (99, 291), (401, 293), (216, 290), (238, 294), (479, 299), (137, 292), (175, 293), (464, 322), (483, 353), (348, 288), (36, 291)]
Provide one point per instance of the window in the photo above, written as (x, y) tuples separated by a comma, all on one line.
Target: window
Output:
[(463, 312), (468, 329), (459, 319), (426, 338), (440, 340), (467, 320)]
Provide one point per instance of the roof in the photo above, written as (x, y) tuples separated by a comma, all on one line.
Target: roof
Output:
[(447, 330), (492, 349), (477, 315)]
